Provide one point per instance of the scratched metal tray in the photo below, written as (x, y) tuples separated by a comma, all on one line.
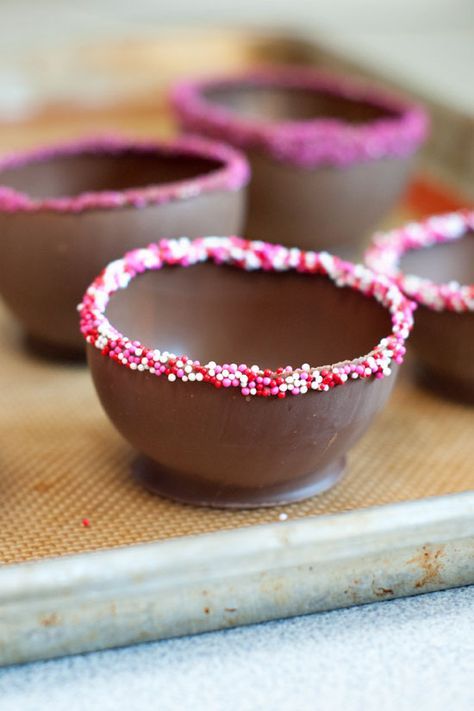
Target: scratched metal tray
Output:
[(400, 523), (205, 582)]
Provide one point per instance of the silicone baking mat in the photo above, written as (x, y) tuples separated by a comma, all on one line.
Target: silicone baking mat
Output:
[(61, 462)]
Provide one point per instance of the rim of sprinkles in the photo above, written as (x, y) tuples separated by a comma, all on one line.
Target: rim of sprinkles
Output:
[(253, 380), (306, 143), (388, 248), (233, 174)]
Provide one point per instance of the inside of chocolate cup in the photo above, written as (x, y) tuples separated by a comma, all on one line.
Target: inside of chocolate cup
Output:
[(95, 172), (274, 104), (224, 314), (443, 263)]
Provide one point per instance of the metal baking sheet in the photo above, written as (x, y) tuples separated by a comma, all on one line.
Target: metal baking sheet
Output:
[(189, 585), (400, 523)]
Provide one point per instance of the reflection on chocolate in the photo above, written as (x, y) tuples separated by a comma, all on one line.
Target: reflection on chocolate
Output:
[(66, 211), (216, 447), (329, 156)]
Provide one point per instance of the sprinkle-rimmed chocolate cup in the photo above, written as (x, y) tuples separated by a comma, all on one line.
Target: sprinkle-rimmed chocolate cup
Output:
[(67, 210), (329, 155), (241, 434), (430, 261)]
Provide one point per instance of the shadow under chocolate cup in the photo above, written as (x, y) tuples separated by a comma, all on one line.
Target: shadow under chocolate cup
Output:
[(68, 210), (433, 263), (230, 424), (329, 155)]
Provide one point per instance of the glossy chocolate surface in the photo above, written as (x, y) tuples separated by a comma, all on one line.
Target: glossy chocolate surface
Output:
[(48, 257), (216, 447)]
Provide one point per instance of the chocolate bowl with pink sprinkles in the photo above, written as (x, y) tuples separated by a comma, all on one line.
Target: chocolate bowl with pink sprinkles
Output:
[(242, 372), (330, 155), (67, 210), (433, 263)]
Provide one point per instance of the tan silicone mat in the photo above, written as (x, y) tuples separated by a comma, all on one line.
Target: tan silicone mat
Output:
[(61, 462)]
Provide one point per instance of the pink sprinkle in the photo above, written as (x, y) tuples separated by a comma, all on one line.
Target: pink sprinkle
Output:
[(399, 130), (100, 333), (385, 253), (232, 174)]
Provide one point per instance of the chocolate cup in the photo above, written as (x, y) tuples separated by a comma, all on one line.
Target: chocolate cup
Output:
[(325, 208), (52, 247), (443, 345), (443, 341), (430, 261), (329, 157), (215, 447)]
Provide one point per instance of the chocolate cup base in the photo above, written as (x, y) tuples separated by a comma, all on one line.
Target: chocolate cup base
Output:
[(188, 490), (45, 350), (449, 387)]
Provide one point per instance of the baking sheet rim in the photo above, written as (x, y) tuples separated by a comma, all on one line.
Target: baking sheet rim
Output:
[(149, 591)]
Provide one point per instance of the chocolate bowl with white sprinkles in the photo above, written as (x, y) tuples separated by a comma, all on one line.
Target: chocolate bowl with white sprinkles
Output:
[(67, 210), (251, 415), (433, 263), (330, 155)]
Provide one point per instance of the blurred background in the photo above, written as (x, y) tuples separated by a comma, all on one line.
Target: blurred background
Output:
[(71, 67)]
